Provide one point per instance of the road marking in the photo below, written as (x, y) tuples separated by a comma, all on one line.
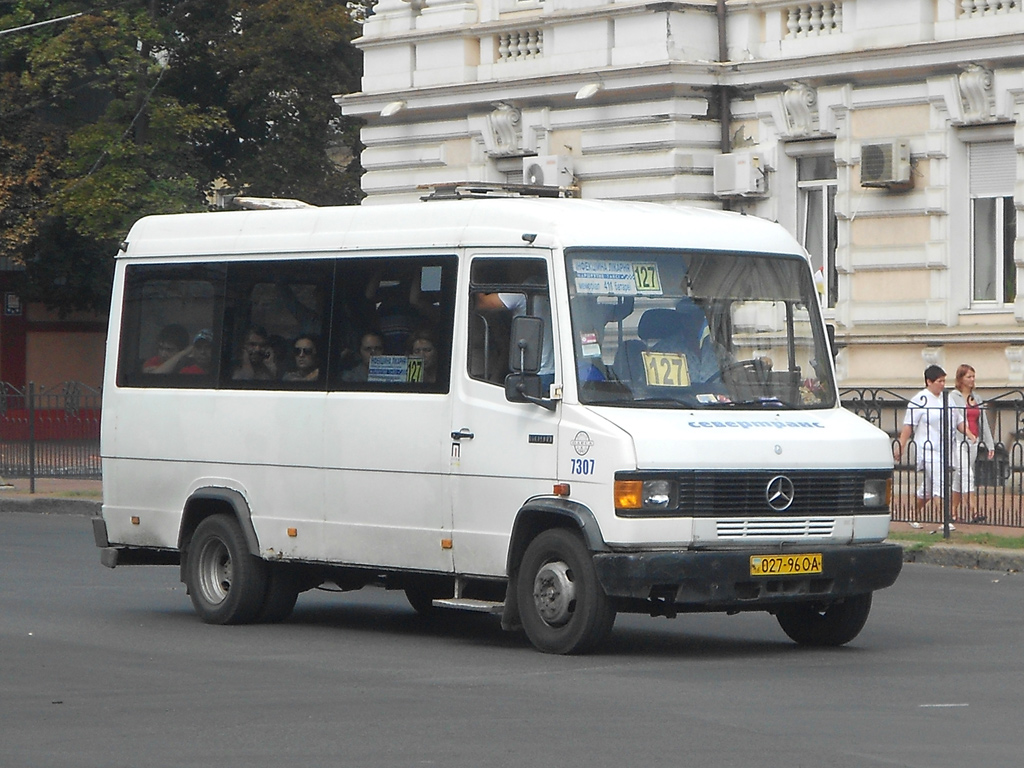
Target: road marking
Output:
[(942, 706)]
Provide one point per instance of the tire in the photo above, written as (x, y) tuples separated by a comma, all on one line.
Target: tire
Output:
[(837, 624), (282, 592), (422, 600), (226, 584), (562, 606)]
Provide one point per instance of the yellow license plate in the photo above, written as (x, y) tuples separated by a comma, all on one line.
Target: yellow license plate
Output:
[(775, 565)]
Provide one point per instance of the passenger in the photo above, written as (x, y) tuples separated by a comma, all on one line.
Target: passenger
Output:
[(307, 360), (398, 307), (370, 345), (279, 361), (255, 356), (423, 344), (202, 354), (516, 303), (172, 348)]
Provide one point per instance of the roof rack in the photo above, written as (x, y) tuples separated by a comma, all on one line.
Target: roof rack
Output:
[(268, 203), (459, 190)]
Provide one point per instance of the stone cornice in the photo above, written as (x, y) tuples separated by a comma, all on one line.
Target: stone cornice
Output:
[(896, 335), (664, 79), (881, 66)]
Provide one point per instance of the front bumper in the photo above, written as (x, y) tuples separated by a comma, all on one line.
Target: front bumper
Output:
[(700, 580)]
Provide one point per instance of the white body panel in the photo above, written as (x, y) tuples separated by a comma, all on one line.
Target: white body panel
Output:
[(376, 479)]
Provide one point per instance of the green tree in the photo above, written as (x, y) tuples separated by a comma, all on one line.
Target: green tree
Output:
[(274, 66), (137, 107)]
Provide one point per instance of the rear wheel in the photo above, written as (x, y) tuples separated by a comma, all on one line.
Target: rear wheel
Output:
[(562, 606), (226, 584), (422, 600), (835, 624)]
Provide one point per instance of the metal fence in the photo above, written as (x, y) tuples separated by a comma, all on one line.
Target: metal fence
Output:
[(51, 432), (967, 484), (55, 432)]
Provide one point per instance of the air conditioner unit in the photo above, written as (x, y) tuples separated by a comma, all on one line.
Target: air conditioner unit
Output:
[(548, 171), (739, 174), (885, 164)]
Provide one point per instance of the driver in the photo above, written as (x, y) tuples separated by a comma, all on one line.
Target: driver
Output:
[(683, 331)]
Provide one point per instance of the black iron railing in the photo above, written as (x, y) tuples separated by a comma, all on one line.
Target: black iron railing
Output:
[(51, 432), (984, 483)]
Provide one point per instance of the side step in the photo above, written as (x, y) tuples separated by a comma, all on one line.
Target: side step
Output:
[(468, 604)]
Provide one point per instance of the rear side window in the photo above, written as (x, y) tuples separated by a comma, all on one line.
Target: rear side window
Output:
[(393, 324), (277, 321), (170, 330), (363, 324)]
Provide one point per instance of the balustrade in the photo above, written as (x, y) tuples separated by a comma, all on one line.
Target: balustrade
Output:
[(814, 19), (522, 44), (978, 8)]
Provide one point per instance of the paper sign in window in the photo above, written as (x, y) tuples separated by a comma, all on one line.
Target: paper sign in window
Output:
[(664, 369)]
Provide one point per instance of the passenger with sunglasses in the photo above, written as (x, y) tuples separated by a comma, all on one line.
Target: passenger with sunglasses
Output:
[(307, 360)]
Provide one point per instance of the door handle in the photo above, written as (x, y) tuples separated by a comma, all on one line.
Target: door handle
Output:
[(462, 434)]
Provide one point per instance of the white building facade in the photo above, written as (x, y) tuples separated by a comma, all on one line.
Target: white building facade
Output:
[(887, 135)]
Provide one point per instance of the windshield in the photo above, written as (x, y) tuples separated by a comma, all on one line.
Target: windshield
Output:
[(710, 330)]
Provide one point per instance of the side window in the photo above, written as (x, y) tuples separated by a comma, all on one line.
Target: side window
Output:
[(170, 326), (393, 323), (503, 288), (277, 321)]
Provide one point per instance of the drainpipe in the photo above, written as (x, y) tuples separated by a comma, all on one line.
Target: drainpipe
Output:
[(724, 106)]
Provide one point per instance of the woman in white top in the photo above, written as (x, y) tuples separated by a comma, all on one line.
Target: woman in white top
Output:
[(966, 451)]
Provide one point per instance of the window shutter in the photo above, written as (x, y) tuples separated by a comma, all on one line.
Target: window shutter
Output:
[(993, 167)]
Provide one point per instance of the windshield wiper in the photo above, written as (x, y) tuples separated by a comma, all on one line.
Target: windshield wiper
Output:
[(674, 402), (759, 402)]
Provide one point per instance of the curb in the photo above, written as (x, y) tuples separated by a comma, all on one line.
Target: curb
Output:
[(49, 505), (978, 558)]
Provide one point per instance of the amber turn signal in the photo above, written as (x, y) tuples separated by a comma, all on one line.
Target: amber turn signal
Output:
[(629, 494)]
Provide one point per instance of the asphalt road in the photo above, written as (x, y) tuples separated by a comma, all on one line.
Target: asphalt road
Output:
[(111, 668)]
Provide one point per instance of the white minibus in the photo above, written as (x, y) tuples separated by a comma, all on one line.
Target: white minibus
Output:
[(552, 410)]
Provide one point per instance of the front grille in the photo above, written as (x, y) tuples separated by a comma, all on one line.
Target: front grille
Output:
[(774, 527), (741, 498), (714, 494)]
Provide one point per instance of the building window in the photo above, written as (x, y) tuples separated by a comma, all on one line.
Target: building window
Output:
[(993, 168), (816, 222)]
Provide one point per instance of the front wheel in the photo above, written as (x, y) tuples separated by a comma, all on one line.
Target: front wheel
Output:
[(562, 606), (836, 624), (227, 585)]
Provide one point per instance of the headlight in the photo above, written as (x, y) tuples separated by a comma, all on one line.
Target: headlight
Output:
[(646, 495), (877, 493), (658, 494)]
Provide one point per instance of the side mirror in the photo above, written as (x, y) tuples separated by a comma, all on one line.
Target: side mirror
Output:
[(526, 388), (830, 331), (523, 385), (525, 345)]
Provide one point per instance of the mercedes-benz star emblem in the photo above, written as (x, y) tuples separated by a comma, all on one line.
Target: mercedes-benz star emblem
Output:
[(779, 493)]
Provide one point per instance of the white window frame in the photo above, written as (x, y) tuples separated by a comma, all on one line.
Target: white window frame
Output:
[(823, 253), (992, 178)]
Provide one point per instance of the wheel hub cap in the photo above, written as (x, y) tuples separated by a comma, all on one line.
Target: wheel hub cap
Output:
[(554, 593)]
